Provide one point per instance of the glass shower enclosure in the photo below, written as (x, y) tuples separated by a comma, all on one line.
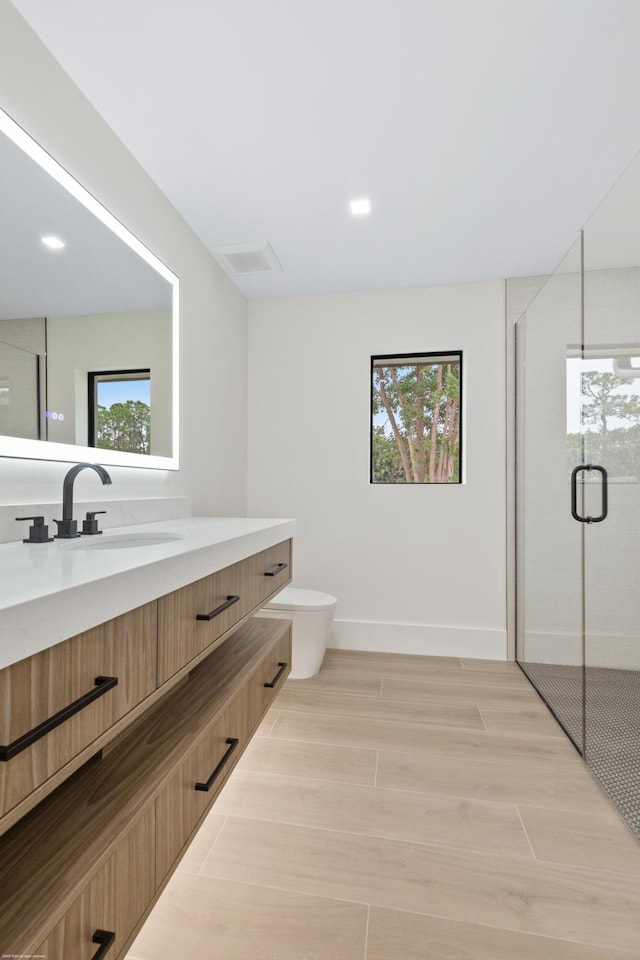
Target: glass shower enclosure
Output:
[(578, 493)]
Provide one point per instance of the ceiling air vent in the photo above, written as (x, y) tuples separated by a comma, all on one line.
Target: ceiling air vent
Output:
[(246, 258)]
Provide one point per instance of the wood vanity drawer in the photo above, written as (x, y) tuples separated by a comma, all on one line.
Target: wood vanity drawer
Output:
[(181, 635), (191, 619), (267, 679), (94, 854), (198, 780), (114, 901), (63, 679), (268, 571)]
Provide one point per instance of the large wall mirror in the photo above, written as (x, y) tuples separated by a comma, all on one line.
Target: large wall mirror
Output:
[(88, 323)]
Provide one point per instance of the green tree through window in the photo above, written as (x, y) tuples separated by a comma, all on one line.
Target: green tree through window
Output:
[(609, 417), (120, 410), (125, 426), (415, 424)]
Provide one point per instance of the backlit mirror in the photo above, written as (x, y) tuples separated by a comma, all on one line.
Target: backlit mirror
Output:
[(88, 323)]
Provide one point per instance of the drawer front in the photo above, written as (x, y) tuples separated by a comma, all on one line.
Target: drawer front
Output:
[(267, 679), (197, 781), (114, 902), (181, 635), (56, 690), (267, 572)]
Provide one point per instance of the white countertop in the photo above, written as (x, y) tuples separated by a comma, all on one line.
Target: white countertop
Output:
[(52, 591)]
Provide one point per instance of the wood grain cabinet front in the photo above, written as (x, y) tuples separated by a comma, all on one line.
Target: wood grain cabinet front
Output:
[(267, 572), (102, 920), (96, 853), (113, 747), (191, 619), (260, 655), (266, 680), (59, 701), (194, 786)]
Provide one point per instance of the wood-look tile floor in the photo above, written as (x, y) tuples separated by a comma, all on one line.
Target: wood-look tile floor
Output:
[(405, 808)]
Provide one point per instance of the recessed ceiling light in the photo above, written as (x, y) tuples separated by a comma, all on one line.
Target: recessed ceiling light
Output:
[(54, 243), (360, 206)]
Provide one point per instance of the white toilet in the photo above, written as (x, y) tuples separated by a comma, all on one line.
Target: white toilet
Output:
[(311, 614)]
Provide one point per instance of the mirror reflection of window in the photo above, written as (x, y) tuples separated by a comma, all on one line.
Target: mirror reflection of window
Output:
[(120, 410)]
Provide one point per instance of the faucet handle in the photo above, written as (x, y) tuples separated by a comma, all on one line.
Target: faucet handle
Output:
[(38, 532), (90, 525)]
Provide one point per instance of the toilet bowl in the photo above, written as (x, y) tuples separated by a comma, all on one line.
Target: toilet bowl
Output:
[(311, 614)]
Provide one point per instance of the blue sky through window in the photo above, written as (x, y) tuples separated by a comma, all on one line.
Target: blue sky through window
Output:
[(119, 391)]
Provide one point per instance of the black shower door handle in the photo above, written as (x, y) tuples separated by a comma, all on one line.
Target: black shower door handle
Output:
[(574, 493)]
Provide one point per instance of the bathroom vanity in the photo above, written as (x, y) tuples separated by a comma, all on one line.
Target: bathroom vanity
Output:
[(116, 737)]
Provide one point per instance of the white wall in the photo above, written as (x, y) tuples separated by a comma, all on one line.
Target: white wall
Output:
[(417, 569), (108, 341), (40, 97)]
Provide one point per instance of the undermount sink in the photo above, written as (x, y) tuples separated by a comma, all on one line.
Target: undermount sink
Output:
[(121, 541)]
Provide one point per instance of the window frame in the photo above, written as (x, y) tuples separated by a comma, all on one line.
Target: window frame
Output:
[(95, 377), (414, 357)]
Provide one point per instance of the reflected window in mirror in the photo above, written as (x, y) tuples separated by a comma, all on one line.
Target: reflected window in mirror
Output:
[(101, 298), (120, 410)]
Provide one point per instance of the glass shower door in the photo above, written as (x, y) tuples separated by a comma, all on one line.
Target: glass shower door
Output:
[(610, 415), (549, 542), (578, 493)]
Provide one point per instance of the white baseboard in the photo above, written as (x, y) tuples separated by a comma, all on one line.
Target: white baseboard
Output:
[(418, 638)]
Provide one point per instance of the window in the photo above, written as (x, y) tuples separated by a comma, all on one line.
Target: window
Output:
[(120, 410), (416, 418)]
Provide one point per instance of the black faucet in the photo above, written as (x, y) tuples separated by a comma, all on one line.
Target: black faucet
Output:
[(68, 527)]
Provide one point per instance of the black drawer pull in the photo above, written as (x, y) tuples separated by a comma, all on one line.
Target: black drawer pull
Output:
[(229, 602), (106, 939), (283, 667), (279, 567), (233, 743), (102, 685)]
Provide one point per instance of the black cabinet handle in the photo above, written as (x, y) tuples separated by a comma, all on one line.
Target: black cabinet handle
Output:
[(574, 493), (106, 939), (279, 567), (233, 743), (283, 666), (102, 685), (229, 602)]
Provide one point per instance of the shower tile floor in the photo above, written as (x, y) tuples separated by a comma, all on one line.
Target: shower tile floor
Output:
[(405, 808), (612, 724)]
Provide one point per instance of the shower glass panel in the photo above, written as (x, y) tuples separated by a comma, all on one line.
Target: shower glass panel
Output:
[(19, 393), (549, 541), (578, 493), (610, 415)]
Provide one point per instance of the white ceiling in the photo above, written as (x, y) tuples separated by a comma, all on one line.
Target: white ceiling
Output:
[(486, 131)]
